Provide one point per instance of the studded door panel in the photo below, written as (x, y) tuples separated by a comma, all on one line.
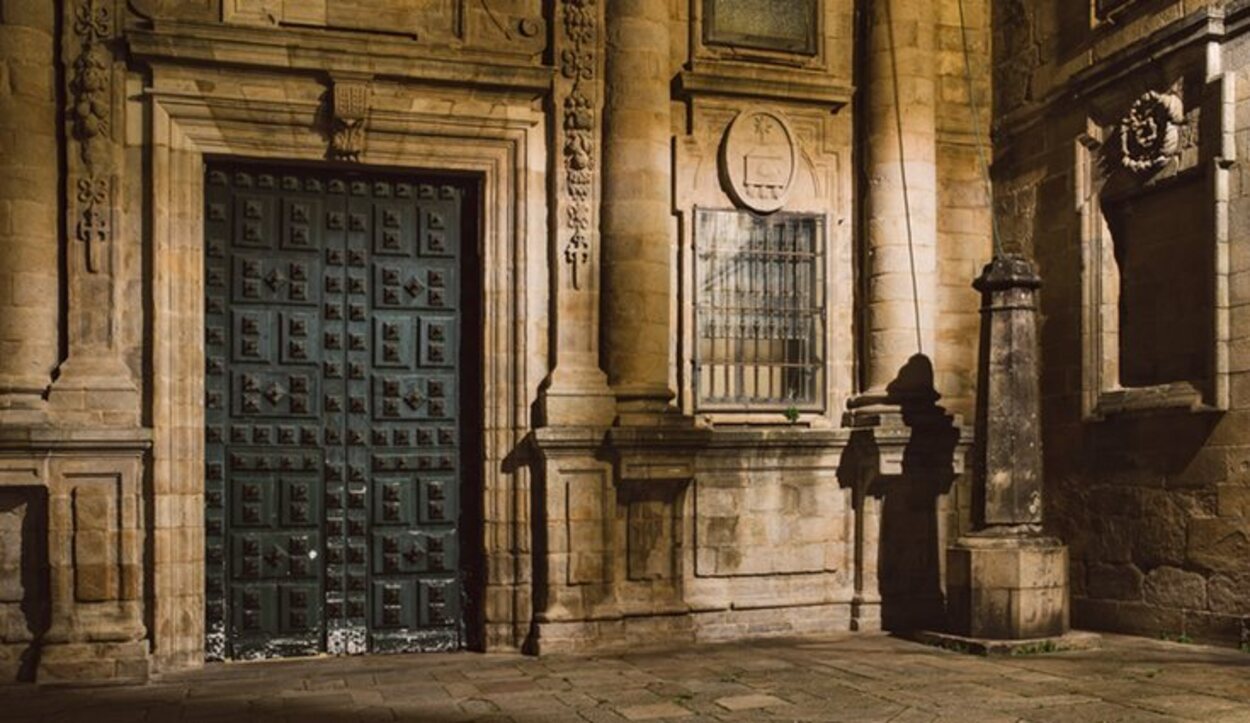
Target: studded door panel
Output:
[(333, 473)]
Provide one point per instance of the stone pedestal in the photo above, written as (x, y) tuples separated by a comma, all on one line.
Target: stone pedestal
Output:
[(108, 662), (78, 611), (1007, 587)]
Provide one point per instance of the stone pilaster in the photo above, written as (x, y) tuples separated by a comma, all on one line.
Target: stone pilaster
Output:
[(638, 224), (576, 392), (29, 297), (94, 385), (900, 194), (1007, 580)]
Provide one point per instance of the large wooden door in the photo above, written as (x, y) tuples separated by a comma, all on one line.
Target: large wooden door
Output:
[(333, 432)]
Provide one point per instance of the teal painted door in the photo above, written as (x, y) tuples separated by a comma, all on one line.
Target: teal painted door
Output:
[(333, 472)]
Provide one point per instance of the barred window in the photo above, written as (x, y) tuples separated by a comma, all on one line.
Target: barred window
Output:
[(759, 311)]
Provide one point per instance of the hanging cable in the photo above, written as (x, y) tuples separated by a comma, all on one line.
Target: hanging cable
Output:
[(902, 167), (995, 238)]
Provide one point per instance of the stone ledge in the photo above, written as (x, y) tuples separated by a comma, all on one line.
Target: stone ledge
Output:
[(50, 438), (1072, 640), (776, 88), (1161, 398)]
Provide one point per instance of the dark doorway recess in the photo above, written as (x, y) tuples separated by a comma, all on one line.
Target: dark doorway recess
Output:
[(343, 410)]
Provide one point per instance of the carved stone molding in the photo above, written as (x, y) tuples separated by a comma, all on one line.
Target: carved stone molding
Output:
[(350, 116), (758, 160), (579, 67), (1150, 131)]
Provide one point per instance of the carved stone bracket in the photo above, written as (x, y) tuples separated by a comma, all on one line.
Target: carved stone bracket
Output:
[(579, 66), (350, 115)]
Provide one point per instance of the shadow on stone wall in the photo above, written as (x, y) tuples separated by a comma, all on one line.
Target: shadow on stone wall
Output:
[(902, 468), (24, 613)]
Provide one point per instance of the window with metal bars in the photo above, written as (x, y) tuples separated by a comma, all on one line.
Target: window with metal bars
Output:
[(759, 311)]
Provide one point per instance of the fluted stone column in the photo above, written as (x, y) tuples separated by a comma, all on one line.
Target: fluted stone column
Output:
[(28, 206), (637, 209), (901, 196)]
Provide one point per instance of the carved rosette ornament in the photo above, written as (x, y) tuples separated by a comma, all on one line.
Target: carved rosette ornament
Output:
[(90, 86), (578, 65), (1150, 133), (350, 113)]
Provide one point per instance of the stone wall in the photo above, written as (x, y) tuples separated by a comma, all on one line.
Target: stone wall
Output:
[(611, 508), (1140, 248)]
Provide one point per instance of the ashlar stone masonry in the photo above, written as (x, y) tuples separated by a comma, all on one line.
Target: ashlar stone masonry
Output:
[(695, 362)]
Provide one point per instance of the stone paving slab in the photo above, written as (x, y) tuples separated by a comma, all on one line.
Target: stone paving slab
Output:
[(851, 677)]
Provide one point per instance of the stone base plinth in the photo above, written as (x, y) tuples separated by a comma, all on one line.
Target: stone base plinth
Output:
[(1007, 588), (693, 627), (77, 663), (1072, 640)]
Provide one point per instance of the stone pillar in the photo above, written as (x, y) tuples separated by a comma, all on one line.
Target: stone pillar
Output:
[(901, 194), (29, 121), (1007, 580), (637, 208), (576, 391), (94, 385)]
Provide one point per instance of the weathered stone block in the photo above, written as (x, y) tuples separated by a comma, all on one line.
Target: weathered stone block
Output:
[(1174, 588), (1117, 582), (1219, 544), (1229, 594), (1007, 588), (652, 540), (1234, 500), (1126, 617)]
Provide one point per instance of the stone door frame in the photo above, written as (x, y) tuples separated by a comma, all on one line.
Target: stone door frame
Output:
[(500, 140)]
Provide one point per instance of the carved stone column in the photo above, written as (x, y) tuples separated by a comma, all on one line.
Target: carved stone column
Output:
[(638, 222), (901, 195), (29, 171)]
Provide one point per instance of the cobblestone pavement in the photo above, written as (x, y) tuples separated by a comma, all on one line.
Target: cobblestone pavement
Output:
[(844, 678)]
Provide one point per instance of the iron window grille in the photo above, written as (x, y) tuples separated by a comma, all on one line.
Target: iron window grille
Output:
[(759, 311)]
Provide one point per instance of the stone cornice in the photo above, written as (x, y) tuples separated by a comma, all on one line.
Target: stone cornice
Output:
[(62, 439), (321, 51), (1204, 25), (786, 87)]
